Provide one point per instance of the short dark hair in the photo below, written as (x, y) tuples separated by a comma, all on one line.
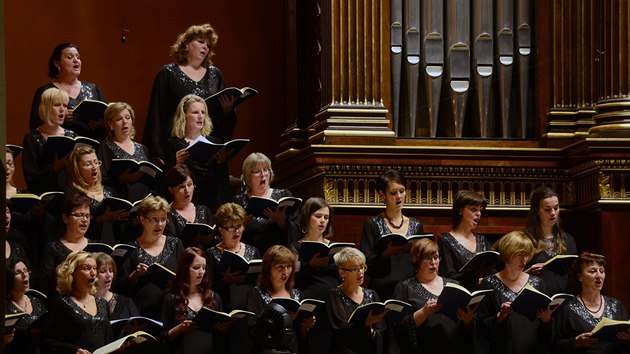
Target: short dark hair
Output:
[(53, 70), (386, 177), (462, 199)]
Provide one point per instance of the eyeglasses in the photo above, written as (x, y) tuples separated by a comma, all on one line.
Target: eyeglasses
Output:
[(81, 215), (430, 259), (22, 272), (362, 268), (260, 172), (91, 164), (10, 164), (155, 220), (182, 187), (232, 228)]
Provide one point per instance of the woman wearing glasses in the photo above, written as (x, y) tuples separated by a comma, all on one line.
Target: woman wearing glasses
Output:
[(25, 339), (577, 318), (119, 120), (264, 232), (75, 214), (341, 301), (502, 330), (84, 179), (78, 321), (181, 187), (152, 246), (230, 285), (424, 330), (192, 122), (461, 244)]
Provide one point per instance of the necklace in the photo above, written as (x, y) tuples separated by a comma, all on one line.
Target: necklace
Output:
[(402, 221), (601, 303), (240, 248), (22, 306)]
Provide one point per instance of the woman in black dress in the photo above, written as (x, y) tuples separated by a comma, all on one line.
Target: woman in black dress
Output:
[(64, 68), (425, 330), (190, 292), (273, 229), (392, 265), (118, 306), (44, 173), (151, 247), (78, 321), (460, 245), (119, 120), (26, 336), (348, 338), (193, 123), (545, 231), (577, 318), (181, 187), (501, 329), (276, 281), (191, 72)]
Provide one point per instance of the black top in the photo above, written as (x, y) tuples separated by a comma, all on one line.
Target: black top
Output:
[(353, 338), (169, 87), (88, 91), (453, 256), (573, 319), (148, 296), (70, 327), (109, 232), (25, 341), (195, 342), (516, 333), (438, 333), (263, 233), (107, 151), (37, 168), (384, 273), (555, 281), (234, 295), (176, 221), (119, 307), (315, 282)]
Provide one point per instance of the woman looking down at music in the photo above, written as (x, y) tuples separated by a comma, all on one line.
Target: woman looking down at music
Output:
[(393, 264), (425, 330), (118, 306), (577, 318), (549, 239), (460, 245)]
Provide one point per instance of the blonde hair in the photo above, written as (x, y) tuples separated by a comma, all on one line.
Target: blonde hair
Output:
[(514, 243), (73, 169), (251, 162), (229, 212), (112, 112), (151, 204), (65, 272), (179, 125), (346, 254), (204, 31), (47, 102)]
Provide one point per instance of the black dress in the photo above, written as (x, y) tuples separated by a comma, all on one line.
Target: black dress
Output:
[(70, 327), (555, 281), (263, 233), (176, 222), (148, 296), (573, 319), (88, 91), (437, 334), (169, 87), (234, 295), (315, 282), (109, 232), (37, 168), (195, 342), (453, 256), (120, 307), (349, 339), (384, 274), (25, 341), (516, 334), (132, 191), (211, 179)]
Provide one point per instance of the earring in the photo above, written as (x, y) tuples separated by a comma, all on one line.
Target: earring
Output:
[(304, 230)]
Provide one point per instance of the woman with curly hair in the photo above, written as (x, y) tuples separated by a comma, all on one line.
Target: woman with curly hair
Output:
[(78, 321), (190, 292)]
